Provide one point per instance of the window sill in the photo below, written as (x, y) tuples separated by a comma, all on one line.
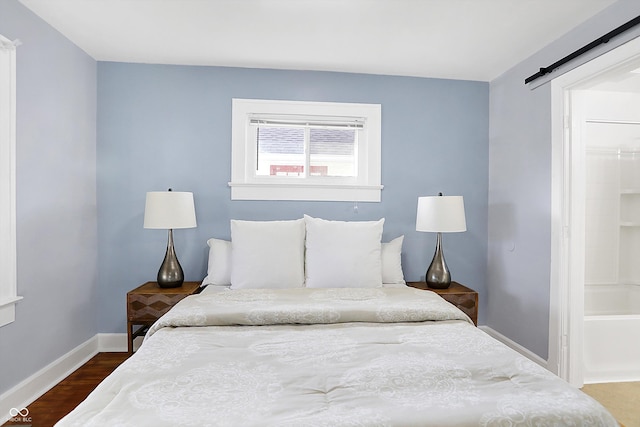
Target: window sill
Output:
[(306, 192), (8, 310)]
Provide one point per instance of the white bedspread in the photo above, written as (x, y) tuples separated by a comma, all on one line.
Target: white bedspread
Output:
[(329, 357)]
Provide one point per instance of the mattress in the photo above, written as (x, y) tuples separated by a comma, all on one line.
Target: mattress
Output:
[(329, 357)]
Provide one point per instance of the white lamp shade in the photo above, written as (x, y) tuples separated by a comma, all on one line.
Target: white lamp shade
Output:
[(169, 209), (441, 214)]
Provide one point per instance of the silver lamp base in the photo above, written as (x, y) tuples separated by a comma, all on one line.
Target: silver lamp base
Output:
[(170, 274), (438, 276)]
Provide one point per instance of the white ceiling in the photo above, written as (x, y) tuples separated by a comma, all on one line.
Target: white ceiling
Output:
[(456, 39)]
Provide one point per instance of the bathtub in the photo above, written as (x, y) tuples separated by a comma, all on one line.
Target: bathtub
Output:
[(611, 333)]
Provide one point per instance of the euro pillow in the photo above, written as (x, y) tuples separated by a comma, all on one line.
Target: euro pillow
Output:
[(267, 254), (392, 262), (219, 266), (343, 254)]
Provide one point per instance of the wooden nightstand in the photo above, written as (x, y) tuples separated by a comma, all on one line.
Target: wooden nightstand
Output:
[(459, 295), (148, 302)]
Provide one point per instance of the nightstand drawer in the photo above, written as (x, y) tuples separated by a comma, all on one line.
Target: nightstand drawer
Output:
[(143, 307)]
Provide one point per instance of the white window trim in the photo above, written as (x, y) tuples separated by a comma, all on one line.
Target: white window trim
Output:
[(246, 186), (8, 261)]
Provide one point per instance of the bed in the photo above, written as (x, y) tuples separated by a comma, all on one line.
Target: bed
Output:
[(370, 354)]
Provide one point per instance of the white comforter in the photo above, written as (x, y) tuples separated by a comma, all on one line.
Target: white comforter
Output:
[(329, 357)]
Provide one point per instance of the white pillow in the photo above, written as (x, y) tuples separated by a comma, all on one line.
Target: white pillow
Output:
[(392, 262), (219, 268), (267, 254), (343, 254)]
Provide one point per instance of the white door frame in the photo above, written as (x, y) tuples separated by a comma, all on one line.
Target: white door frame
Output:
[(566, 311)]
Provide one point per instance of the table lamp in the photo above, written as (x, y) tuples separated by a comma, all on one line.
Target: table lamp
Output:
[(169, 210), (440, 214)]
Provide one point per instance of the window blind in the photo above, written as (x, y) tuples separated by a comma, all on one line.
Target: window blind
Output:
[(306, 121)]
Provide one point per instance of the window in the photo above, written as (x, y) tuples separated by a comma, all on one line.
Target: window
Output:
[(291, 150), (8, 289)]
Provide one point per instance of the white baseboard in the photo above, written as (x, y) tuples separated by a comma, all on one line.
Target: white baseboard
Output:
[(27, 391), (623, 376), (112, 342), (515, 346)]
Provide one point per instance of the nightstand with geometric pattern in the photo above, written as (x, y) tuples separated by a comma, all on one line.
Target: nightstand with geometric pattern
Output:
[(148, 302)]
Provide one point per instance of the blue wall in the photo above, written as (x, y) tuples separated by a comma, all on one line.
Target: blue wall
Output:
[(56, 197), (170, 126)]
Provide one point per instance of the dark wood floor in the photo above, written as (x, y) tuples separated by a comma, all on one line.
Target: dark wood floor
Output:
[(61, 399)]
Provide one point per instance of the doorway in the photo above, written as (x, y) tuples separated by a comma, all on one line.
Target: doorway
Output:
[(575, 126)]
